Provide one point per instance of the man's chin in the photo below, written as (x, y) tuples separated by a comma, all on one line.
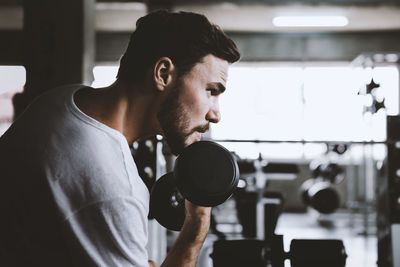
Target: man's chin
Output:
[(177, 147), (193, 138), (178, 144)]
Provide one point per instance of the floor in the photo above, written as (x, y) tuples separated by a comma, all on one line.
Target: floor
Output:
[(358, 237)]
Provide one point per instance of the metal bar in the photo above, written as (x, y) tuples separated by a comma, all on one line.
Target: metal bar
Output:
[(297, 141)]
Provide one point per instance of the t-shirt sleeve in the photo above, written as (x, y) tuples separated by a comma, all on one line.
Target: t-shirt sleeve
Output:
[(109, 233)]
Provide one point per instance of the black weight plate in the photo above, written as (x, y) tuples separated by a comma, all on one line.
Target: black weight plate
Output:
[(161, 207), (238, 253), (317, 253), (277, 251), (206, 173)]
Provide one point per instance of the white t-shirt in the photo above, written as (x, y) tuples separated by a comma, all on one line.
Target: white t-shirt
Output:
[(70, 192)]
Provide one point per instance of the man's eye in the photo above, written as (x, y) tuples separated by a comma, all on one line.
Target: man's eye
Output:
[(213, 91)]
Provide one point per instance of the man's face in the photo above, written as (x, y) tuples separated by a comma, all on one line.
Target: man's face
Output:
[(193, 103)]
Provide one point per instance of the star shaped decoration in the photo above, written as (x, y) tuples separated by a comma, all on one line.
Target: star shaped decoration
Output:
[(378, 105), (371, 86)]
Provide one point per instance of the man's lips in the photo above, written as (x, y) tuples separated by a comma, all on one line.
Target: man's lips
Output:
[(203, 129), (199, 130)]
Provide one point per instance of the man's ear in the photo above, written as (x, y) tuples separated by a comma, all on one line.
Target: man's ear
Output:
[(163, 73)]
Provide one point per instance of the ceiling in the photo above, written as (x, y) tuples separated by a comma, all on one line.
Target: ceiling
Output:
[(374, 26), (238, 16), (258, 18)]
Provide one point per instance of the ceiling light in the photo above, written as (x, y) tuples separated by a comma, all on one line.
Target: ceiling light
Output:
[(310, 21)]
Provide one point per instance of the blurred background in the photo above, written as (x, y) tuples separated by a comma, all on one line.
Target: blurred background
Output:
[(310, 112)]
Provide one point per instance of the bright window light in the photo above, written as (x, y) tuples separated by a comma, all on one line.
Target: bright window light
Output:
[(317, 103), (310, 21), (104, 75), (12, 80)]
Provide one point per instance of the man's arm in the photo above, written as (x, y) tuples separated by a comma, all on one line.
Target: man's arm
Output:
[(187, 246)]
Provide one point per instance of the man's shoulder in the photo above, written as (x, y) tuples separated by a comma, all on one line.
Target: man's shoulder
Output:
[(97, 166)]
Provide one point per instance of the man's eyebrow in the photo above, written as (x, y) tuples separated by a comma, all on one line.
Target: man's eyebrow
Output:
[(220, 86)]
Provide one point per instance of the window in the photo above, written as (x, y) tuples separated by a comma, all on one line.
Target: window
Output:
[(12, 80), (104, 75), (312, 103)]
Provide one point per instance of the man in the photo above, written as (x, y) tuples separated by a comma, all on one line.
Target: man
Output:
[(70, 193)]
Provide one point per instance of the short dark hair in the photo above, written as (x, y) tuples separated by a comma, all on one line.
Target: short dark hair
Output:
[(184, 37)]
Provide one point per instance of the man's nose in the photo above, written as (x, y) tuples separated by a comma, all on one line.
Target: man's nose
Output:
[(214, 115)]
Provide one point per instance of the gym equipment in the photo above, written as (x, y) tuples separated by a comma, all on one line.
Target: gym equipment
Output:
[(144, 154), (232, 253), (320, 195), (319, 192), (268, 248), (205, 173), (388, 199), (282, 168), (247, 167), (259, 253), (329, 171), (339, 149), (247, 208)]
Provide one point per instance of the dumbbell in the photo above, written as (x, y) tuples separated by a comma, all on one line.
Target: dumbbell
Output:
[(205, 173), (321, 195), (261, 253), (319, 192)]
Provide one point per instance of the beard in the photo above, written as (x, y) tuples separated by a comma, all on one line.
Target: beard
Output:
[(174, 120)]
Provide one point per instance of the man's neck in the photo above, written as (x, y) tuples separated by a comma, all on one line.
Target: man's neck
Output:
[(123, 107)]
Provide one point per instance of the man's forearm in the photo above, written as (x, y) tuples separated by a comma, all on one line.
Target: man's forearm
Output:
[(187, 246)]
